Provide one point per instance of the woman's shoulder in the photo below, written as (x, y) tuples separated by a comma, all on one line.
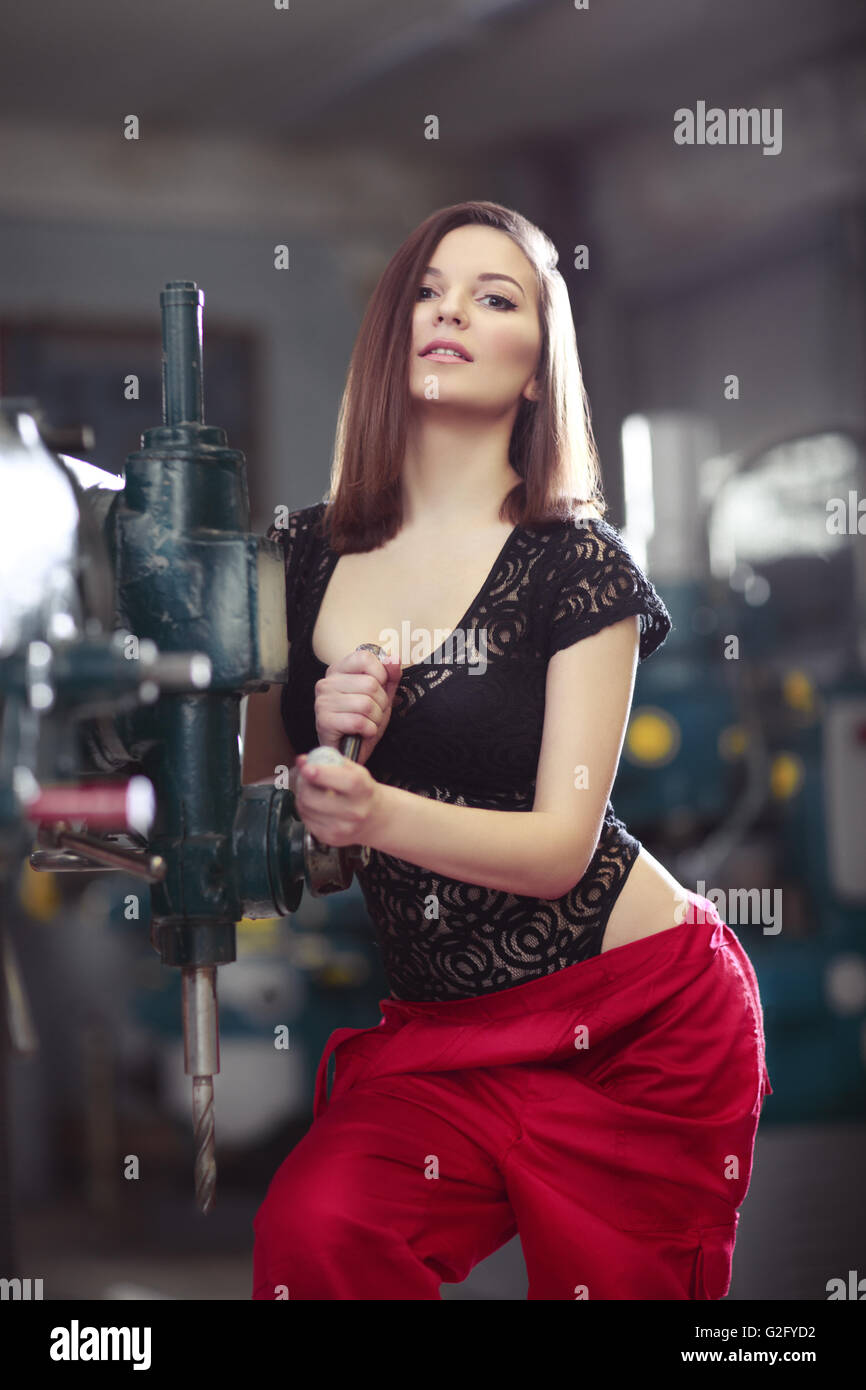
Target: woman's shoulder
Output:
[(593, 580), (584, 535), (290, 527)]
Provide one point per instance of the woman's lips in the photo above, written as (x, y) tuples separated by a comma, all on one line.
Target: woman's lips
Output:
[(438, 356)]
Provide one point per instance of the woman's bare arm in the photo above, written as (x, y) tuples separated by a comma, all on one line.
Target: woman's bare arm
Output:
[(266, 745), (546, 851)]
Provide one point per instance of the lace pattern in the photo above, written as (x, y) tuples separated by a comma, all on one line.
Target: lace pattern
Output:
[(475, 740)]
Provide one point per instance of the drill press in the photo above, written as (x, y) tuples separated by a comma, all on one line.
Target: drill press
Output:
[(200, 613)]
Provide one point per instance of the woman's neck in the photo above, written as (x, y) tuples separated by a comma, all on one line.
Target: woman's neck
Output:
[(456, 474)]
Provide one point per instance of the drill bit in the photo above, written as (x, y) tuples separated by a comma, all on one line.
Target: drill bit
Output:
[(201, 1062), (205, 1163)]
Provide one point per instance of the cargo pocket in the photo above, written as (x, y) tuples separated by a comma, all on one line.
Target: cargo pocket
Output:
[(711, 1277)]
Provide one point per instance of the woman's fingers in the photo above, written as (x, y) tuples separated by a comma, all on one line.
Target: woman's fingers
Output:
[(360, 690), (354, 698), (326, 776)]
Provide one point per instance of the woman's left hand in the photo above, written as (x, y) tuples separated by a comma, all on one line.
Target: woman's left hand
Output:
[(338, 803)]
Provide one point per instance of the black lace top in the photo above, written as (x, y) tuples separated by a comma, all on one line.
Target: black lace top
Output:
[(476, 742)]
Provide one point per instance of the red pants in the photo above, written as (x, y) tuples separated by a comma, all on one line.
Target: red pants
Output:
[(606, 1112)]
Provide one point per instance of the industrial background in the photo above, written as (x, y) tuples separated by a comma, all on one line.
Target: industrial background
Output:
[(305, 127)]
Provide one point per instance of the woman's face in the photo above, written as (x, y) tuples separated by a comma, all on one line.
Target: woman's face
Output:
[(494, 321)]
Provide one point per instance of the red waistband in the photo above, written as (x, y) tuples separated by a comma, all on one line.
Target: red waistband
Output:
[(623, 983)]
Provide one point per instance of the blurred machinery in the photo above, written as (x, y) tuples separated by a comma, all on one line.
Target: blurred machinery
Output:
[(753, 724), (136, 613)]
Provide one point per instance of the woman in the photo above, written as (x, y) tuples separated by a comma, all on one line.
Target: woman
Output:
[(573, 1045)]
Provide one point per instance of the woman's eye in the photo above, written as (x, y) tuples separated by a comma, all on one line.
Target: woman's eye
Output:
[(509, 304)]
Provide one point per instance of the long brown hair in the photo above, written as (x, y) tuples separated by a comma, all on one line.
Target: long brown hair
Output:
[(551, 446)]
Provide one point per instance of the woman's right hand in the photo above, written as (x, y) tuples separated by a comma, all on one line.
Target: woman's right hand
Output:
[(355, 696)]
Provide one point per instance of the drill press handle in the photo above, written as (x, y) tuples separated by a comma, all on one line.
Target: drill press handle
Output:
[(329, 868)]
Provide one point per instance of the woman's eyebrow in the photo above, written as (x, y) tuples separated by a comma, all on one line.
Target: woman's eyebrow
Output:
[(488, 275)]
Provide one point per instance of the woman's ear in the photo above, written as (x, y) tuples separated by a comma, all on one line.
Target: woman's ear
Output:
[(532, 391)]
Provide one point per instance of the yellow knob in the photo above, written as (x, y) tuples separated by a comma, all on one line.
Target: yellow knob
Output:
[(786, 776)]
